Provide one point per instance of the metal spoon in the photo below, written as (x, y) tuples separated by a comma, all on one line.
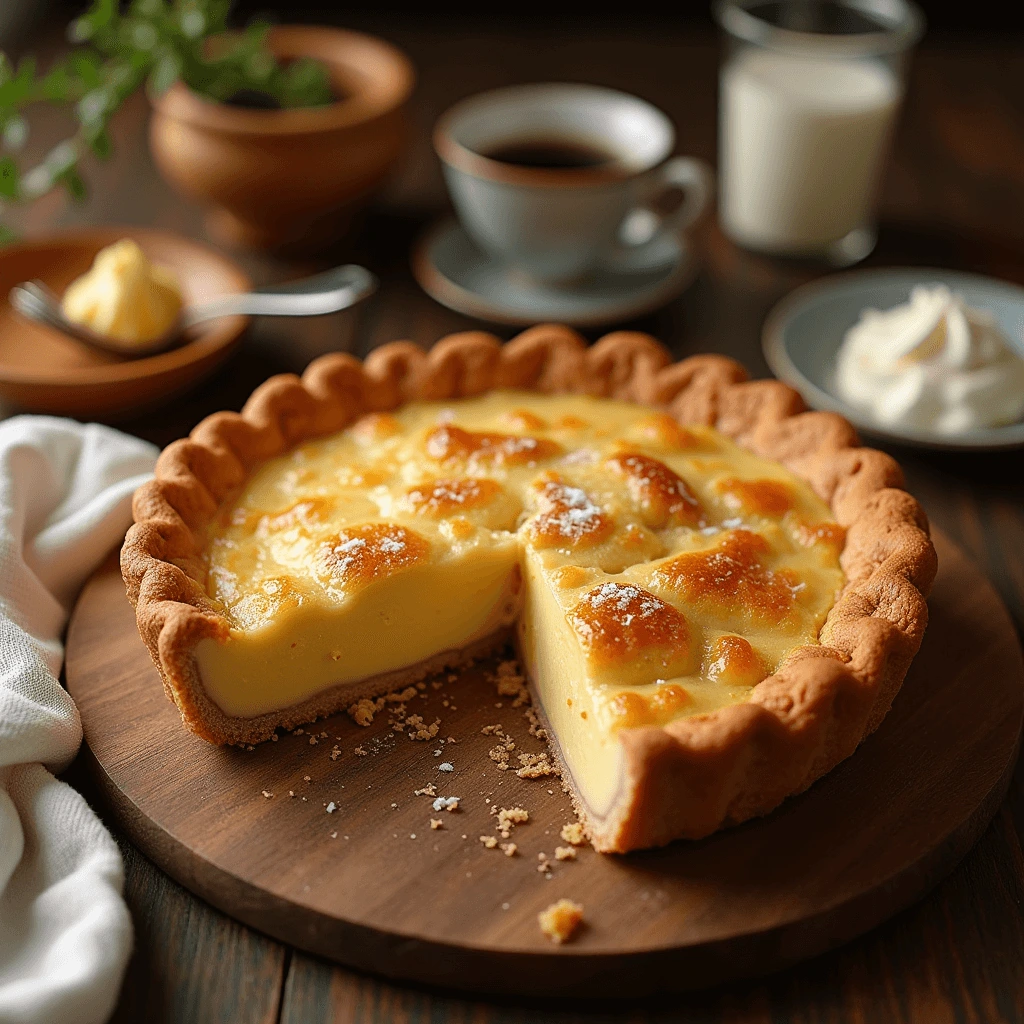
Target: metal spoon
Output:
[(329, 292)]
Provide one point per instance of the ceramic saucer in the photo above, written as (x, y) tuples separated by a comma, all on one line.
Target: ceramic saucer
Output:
[(453, 270), (802, 335)]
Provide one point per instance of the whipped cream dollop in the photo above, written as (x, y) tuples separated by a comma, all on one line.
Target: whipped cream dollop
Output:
[(934, 363)]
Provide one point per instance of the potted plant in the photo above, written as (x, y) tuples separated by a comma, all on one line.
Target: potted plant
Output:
[(281, 132)]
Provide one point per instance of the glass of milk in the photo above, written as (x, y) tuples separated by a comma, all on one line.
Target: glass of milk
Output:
[(809, 94)]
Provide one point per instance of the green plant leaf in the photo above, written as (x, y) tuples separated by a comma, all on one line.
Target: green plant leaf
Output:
[(56, 84), (86, 65), (100, 144), (9, 178), (72, 181), (126, 43)]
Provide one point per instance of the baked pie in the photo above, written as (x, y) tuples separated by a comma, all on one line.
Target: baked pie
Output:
[(715, 594)]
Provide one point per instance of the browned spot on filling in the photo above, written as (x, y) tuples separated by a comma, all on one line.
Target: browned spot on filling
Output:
[(830, 534), (523, 419), (571, 423), (303, 514), (633, 536), (662, 497), (375, 426), (662, 430), (630, 710), (462, 528), (756, 497), (568, 517), (731, 579), (668, 700), (617, 623), (443, 497), (730, 660), (451, 443), (360, 554)]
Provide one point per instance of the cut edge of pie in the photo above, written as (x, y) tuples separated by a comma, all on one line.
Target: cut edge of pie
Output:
[(682, 780)]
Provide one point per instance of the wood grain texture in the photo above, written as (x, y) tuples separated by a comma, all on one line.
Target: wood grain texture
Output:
[(334, 853), (974, 972)]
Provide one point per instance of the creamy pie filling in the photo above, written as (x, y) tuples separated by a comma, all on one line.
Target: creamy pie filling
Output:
[(655, 572)]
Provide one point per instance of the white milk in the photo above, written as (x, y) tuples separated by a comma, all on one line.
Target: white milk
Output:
[(801, 146)]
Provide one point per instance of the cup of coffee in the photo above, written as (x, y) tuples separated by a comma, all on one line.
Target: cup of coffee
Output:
[(559, 181)]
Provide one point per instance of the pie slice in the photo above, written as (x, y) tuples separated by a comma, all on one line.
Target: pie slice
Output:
[(714, 594)]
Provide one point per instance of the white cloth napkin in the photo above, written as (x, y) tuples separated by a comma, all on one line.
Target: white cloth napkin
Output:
[(65, 933)]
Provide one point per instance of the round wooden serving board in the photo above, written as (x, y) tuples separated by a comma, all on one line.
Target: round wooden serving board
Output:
[(373, 886)]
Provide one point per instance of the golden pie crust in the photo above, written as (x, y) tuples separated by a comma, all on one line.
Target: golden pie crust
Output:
[(684, 779)]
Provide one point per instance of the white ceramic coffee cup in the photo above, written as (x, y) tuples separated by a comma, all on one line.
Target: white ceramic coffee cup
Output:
[(558, 225)]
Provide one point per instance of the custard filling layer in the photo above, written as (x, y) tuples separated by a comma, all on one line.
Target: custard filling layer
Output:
[(664, 571)]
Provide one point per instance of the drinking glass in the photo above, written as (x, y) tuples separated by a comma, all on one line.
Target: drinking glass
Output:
[(809, 95)]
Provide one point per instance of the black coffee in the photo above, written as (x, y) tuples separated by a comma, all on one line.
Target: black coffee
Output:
[(554, 154)]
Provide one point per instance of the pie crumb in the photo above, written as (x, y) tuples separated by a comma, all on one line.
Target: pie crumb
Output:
[(436, 823), (267, 794), (490, 842), (535, 766), (509, 849), (560, 920), (510, 682), (362, 711), (509, 817), (573, 833), (565, 853)]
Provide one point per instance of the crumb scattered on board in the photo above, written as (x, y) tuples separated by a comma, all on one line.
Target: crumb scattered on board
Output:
[(509, 817), (560, 921)]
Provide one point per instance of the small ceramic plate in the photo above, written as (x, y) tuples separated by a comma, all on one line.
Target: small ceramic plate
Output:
[(452, 269), (43, 370), (802, 335)]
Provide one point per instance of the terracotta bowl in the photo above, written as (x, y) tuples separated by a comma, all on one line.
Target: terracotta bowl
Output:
[(289, 178), (43, 370)]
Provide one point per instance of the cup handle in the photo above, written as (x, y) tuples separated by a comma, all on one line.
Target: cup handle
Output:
[(642, 225)]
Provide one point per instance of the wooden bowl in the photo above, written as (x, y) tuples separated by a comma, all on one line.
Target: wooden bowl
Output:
[(43, 370), (289, 178)]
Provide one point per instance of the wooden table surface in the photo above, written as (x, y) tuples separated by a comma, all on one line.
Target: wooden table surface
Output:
[(953, 196)]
